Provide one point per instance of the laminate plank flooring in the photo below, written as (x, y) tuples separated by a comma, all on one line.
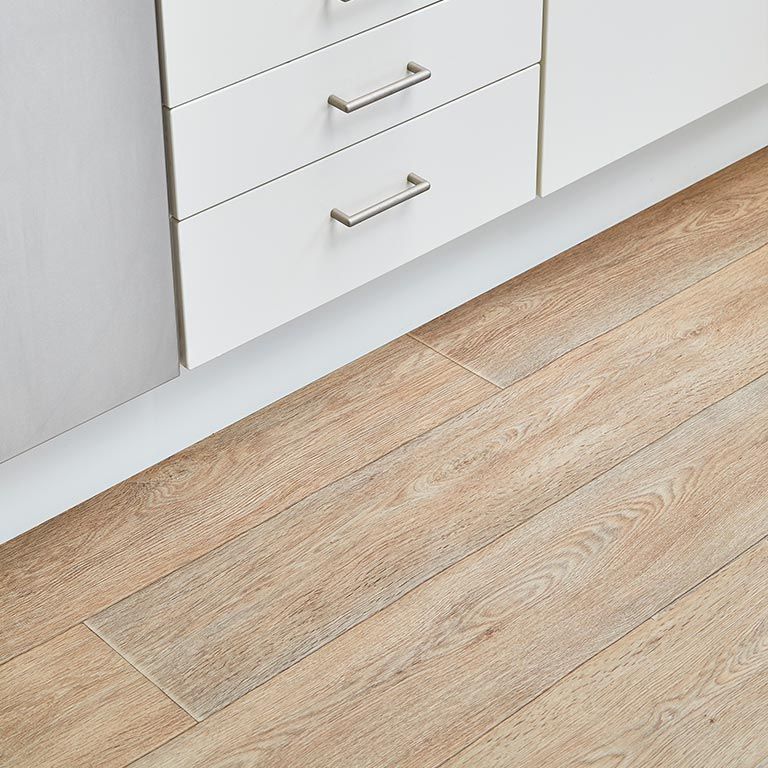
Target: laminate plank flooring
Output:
[(229, 622), (402, 565), (86, 559), (526, 323), (456, 656), (687, 688), (74, 702)]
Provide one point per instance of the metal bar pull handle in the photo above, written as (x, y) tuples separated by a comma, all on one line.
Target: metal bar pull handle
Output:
[(418, 75), (420, 186)]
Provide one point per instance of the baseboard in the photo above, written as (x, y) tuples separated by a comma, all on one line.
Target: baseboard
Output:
[(68, 469)]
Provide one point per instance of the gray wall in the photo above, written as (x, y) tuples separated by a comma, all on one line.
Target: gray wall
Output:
[(86, 292)]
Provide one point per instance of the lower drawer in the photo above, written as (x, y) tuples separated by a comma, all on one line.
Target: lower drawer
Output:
[(257, 261)]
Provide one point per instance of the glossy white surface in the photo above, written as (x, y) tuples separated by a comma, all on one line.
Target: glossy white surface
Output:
[(266, 126)]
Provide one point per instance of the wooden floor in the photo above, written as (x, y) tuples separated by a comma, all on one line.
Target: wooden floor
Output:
[(531, 533)]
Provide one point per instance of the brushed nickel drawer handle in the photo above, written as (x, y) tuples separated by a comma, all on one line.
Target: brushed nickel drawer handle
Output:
[(418, 75), (420, 186)]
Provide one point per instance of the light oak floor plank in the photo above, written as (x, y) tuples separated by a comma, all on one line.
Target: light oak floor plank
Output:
[(232, 620), (526, 323), (424, 677), (74, 702), (67, 569), (688, 688)]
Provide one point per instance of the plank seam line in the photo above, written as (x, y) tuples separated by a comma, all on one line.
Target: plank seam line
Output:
[(408, 442), (144, 675), (455, 362), (605, 648), (475, 552), (649, 309), (608, 330), (261, 522), (247, 530)]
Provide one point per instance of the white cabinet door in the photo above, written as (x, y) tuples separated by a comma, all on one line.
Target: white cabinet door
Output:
[(619, 74)]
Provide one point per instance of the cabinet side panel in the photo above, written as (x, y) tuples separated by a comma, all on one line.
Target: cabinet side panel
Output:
[(86, 286)]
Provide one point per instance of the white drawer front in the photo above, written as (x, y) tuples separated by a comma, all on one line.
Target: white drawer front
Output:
[(264, 127), (208, 44), (274, 253)]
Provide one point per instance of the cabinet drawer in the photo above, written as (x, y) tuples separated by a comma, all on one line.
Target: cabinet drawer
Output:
[(274, 253), (269, 125), (208, 44)]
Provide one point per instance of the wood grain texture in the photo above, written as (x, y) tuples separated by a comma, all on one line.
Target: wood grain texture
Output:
[(98, 552), (74, 702), (688, 688), (422, 678), (526, 323), (232, 620)]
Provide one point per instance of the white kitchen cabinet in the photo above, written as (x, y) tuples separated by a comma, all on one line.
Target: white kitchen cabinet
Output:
[(618, 74)]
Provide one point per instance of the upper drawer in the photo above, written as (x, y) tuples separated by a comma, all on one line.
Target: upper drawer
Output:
[(212, 43), (250, 133)]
